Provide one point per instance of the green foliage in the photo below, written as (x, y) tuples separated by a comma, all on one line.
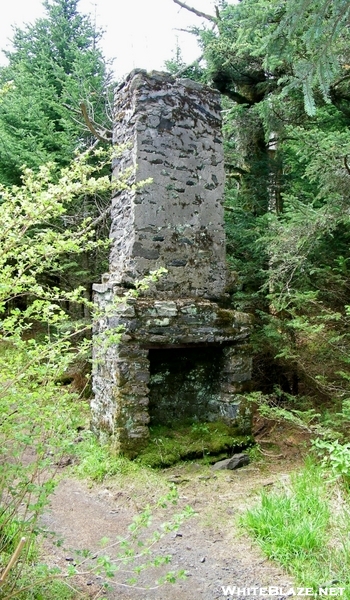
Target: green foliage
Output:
[(321, 31), (38, 426), (177, 67), (55, 64), (300, 415), (287, 185), (30, 246), (39, 418), (48, 589), (284, 47), (294, 526), (307, 283), (336, 458), (97, 462), (291, 526)]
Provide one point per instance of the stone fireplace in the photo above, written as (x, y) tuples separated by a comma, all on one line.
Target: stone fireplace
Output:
[(173, 352)]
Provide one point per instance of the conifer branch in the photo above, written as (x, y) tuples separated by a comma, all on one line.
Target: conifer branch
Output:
[(196, 12), (192, 64)]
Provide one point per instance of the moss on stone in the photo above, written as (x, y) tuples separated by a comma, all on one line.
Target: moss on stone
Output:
[(211, 441), (224, 317)]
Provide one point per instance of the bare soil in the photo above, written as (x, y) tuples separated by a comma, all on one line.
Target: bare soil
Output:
[(210, 546)]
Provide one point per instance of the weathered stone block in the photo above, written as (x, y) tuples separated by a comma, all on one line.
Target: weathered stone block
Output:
[(165, 308), (235, 462)]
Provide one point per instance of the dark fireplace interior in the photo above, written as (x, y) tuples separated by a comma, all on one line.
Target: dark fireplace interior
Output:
[(184, 384)]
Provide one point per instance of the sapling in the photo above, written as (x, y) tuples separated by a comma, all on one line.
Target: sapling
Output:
[(40, 417)]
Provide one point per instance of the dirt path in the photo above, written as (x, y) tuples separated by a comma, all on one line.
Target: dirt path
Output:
[(209, 547)]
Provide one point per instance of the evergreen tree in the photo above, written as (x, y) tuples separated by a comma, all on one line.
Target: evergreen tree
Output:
[(283, 68), (55, 65), (179, 68)]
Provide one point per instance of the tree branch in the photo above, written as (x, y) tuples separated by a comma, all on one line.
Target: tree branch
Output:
[(90, 126), (13, 559), (196, 12), (237, 169), (192, 64), (235, 96), (344, 78), (102, 216)]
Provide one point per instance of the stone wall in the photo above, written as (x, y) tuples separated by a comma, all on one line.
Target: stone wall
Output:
[(122, 371), (171, 132)]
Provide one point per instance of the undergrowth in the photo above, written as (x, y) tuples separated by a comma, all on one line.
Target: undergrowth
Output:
[(38, 426), (96, 462), (305, 527)]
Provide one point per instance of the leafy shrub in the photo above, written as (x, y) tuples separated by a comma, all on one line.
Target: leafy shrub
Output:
[(336, 458)]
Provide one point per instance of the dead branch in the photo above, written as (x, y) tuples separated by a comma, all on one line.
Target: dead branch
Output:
[(188, 30), (13, 560), (102, 216), (71, 108), (346, 165), (196, 12), (88, 150), (192, 64), (271, 455), (105, 137), (339, 81)]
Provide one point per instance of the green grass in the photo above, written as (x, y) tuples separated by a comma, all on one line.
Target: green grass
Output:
[(97, 462), (305, 528), (50, 590)]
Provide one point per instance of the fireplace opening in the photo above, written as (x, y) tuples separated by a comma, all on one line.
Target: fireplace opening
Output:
[(184, 384)]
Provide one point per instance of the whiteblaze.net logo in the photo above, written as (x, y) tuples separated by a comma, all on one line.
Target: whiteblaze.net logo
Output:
[(232, 590)]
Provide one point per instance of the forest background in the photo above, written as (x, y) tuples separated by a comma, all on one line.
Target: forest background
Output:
[(283, 72), (283, 69)]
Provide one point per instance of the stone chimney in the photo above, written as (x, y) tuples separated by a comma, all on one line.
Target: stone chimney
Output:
[(182, 354)]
